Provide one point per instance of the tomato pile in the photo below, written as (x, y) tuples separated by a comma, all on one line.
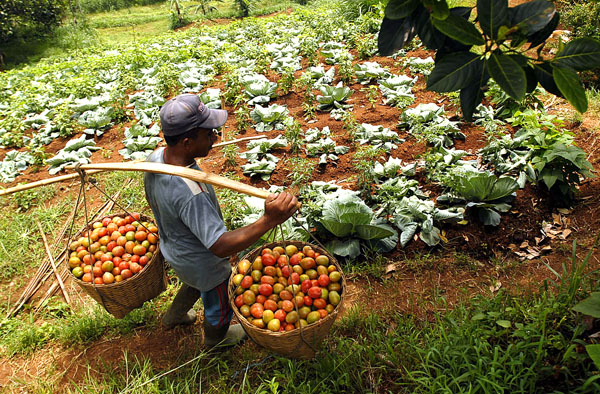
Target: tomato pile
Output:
[(265, 295), (115, 250)]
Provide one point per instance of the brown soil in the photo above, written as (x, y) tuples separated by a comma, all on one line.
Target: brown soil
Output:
[(475, 260)]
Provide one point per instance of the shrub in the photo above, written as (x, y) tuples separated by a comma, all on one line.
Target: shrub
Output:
[(29, 18)]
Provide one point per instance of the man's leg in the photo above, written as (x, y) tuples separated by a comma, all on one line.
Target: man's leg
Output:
[(180, 311), (217, 316)]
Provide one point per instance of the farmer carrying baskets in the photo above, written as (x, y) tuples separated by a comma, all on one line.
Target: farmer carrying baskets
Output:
[(194, 239)]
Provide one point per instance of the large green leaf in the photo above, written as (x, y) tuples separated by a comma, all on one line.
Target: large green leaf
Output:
[(348, 248), (395, 34), (570, 86), (503, 187), (590, 306), (543, 73), (471, 96), (455, 71), (369, 231), (594, 352), (460, 29), (429, 35), (336, 228), (542, 35), (356, 218), (489, 217), (439, 8), (476, 186), (491, 15), (508, 74), (407, 233), (399, 9), (532, 16), (579, 54)]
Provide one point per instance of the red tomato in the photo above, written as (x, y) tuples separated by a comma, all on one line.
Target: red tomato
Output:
[(307, 284), (308, 301), (270, 305), (323, 280), (280, 315), (126, 273), (319, 303), (265, 289), (239, 301), (268, 259)]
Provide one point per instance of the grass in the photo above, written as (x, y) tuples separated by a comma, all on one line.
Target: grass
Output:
[(126, 25)]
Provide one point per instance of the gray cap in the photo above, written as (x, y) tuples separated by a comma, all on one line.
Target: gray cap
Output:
[(186, 112)]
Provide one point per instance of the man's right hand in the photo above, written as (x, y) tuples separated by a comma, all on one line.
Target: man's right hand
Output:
[(279, 207)]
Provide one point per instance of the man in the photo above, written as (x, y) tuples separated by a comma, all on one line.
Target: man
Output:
[(193, 237)]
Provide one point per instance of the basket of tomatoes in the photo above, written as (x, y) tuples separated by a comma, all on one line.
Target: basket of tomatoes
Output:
[(287, 296), (117, 261)]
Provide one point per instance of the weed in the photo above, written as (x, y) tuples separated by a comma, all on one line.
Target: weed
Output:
[(301, 170), (242, 116), (293, 136), (230, 152), (232, 204), (363, 161), (372, 94), (27, 199), (346, 71), (286, 81)]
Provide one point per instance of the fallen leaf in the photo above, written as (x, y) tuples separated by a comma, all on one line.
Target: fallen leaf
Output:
[(556, 218), (392, 267), (564, 211), (494, 287), (465, 238), (565, 234), (524, 245)]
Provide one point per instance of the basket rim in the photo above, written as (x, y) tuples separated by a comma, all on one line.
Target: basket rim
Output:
[(314, 326)]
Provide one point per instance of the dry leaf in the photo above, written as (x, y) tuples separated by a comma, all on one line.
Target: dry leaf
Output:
[(565, 233), (556, 218), (564, 211), (524, 245), (465, 238), (392, 267), (494, 287)]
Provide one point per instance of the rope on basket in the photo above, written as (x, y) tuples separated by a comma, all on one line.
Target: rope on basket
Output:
[(294, 294), (84, 179)]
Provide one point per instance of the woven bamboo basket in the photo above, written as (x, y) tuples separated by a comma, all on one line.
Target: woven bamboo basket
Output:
[(299, 343), (121, 298)]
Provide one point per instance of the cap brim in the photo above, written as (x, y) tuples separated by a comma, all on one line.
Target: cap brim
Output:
[(216, 118)]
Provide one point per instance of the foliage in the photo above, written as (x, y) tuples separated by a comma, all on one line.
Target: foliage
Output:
[(140, 142), (351, 220), (581, 17), (541, 151), (333, 97), (273, 117), (428, 122), (484, 194), (378, 137), (301, 170), (77, 150), (92, 6), (397, 90), (411, 213), (497, 47), (259, 89), (29, 18)]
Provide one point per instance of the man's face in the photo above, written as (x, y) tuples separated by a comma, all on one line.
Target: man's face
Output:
[(204, 141)]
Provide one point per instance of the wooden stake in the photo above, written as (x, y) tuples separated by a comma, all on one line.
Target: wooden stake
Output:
[(184, 172), (58, 277), (43, 182), (61, 178), (255, 137)]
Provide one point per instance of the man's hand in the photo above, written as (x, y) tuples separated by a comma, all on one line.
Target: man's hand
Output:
[(279, 207)]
